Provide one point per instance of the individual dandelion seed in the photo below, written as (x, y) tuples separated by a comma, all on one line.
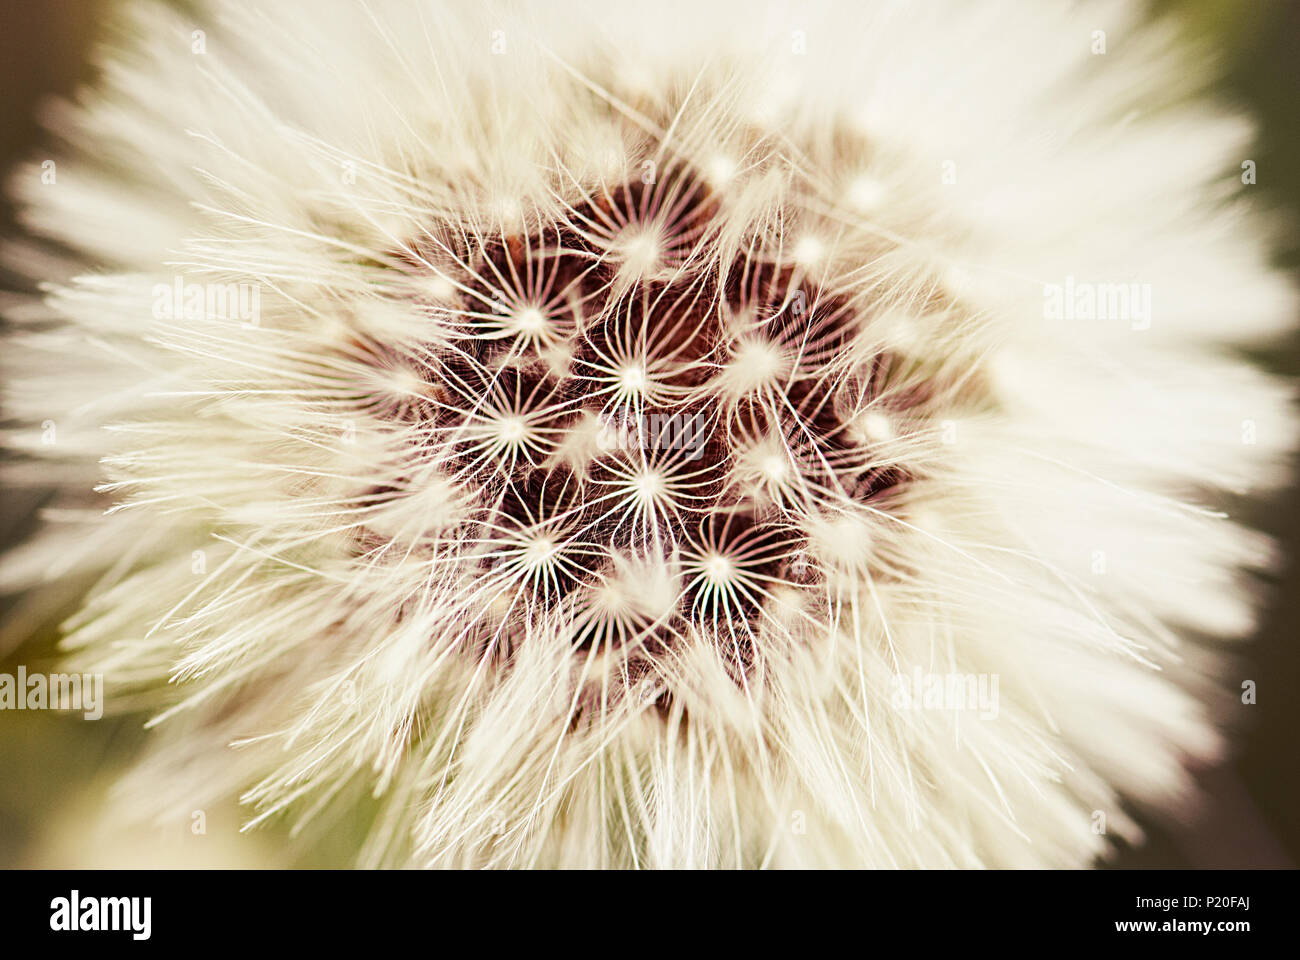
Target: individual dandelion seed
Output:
[(633, 412)]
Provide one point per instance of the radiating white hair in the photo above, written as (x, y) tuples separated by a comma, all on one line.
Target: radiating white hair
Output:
[(931, 307)]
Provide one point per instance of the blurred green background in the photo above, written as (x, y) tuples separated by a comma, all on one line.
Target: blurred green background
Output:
[(55, 770)]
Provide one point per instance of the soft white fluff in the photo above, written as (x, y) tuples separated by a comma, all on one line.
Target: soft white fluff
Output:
[(298, 540)]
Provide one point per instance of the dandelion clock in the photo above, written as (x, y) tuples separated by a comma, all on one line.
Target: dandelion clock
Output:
[(706, 434)]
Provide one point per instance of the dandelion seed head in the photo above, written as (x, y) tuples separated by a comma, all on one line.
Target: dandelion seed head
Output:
[(632, 378), (623, 418), (529, 320), (843, 542), (866, 193), (875, 426), (719, 570), (754, 364), (511, 430), (809, 251), (640, 252), (720, 169)]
